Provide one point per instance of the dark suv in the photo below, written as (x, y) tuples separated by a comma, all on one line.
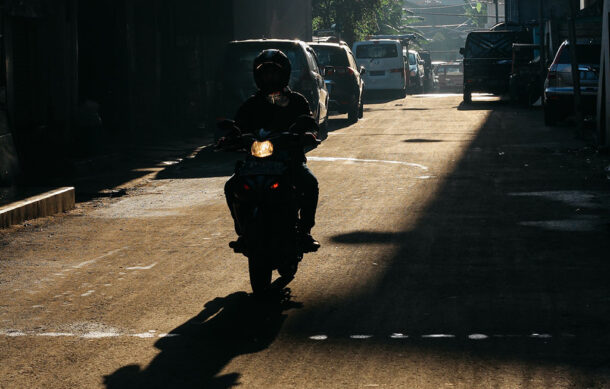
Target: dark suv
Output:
[(559, 87), (343, 78), (487, 61), (236, 83)]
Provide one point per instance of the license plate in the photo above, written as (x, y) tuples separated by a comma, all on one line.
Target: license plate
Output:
[(262, 168)]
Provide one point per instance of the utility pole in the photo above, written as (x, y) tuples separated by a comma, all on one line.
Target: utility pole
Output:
[(542, 36), (497, 15), (575, 71)]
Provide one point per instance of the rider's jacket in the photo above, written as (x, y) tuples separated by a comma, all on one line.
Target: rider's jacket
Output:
[(275, 113)]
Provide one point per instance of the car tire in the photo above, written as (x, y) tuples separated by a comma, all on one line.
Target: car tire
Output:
[(323, 129), (352, 114), (467, 95)]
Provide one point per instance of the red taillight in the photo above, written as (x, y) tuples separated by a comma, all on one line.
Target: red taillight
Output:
[(275, 185), (343, 70), (247, 187)]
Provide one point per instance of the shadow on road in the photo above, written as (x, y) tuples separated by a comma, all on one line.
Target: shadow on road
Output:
[(194, 353), (514, 245)]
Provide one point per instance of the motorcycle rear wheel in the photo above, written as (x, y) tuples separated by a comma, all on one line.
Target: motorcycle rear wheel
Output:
[(260, 275)]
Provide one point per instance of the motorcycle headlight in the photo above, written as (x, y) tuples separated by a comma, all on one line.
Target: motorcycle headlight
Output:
[(262, 149)]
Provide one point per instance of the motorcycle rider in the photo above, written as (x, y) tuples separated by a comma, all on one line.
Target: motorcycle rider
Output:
[(274, 107)]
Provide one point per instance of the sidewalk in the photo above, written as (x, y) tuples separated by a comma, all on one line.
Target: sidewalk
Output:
[(106, 175)]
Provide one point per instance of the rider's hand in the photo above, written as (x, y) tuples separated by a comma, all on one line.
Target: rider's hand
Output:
[(308, 139)]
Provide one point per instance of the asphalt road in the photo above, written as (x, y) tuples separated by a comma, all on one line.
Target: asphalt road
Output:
[(462, 247)]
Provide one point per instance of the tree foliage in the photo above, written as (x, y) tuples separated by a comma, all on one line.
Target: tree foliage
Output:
[(355, 19)]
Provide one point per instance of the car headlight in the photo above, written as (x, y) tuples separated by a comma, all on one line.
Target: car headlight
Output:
[(262, 149)]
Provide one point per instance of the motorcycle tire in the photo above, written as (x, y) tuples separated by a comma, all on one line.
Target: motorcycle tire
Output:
[(260, 275), (288, 270)]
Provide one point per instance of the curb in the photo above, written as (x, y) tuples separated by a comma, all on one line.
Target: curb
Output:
[(45, 204)]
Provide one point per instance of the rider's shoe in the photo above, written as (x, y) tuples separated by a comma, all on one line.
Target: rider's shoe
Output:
[(308, 243), (238, 245)]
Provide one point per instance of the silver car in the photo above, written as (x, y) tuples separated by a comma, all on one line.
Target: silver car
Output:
[(559, 87)]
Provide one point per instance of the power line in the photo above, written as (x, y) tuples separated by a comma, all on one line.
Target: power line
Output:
[(465, 15)]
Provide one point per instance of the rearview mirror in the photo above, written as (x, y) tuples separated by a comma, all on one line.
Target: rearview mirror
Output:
[(362, 70), (462, 50)]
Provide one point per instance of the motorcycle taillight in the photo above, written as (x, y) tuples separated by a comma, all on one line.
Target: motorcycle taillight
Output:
[(275, 185)]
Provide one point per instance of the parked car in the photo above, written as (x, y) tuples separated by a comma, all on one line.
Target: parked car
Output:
[(416, 72), (450, 76), (384, 63), (343, 78), (559, 88), (236, 82), (487, 61)]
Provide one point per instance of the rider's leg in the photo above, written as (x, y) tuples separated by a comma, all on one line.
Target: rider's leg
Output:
[(307, 184)]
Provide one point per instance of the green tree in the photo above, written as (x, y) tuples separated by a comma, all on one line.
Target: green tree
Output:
[(355, 19)]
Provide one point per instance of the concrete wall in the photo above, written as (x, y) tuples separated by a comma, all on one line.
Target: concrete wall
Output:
[(272, 19)]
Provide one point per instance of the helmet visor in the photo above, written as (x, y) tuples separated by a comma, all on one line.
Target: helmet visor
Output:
[(271, 77)]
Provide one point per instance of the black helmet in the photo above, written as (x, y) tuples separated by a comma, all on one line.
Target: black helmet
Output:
[(271, 71)]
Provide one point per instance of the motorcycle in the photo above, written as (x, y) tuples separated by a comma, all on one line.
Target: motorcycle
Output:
[(266, 204)]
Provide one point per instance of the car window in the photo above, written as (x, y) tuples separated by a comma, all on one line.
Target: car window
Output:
[(489, 45), (352, 60), (311, 59), (586, 54), (453, 69), (387, 50), (240, 57), (412, 60), (331, 56)]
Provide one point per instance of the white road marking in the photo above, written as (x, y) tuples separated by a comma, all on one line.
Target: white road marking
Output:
[(89, 262), (56, 334), (477, 336), (99, 335), (361, 336), (334, 159), (88, 293), (398, 335), (142, 267), (438, 336), (318, 337)]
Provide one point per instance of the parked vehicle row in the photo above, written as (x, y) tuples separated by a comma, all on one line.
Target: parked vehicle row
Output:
[(507, 62), (559, 84)]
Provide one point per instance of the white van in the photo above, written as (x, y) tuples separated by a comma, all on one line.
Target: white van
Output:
[(384, 64)]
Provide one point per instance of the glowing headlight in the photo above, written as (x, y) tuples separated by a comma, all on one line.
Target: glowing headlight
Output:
[(262, 149)]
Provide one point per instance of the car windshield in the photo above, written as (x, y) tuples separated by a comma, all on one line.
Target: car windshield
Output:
[(331, 56), (586, 54), (377, 50), (412, 60), (240, 57), (453, 69)]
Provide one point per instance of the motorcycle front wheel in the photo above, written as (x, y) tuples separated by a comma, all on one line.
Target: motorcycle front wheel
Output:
[(260, 275)]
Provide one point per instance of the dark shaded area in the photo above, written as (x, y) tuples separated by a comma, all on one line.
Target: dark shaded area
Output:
[(477, 105), (422, 140), (488, 256), (199, 349), (380, 96)]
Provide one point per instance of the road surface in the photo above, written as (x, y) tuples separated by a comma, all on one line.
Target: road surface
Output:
[(462, 247)]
